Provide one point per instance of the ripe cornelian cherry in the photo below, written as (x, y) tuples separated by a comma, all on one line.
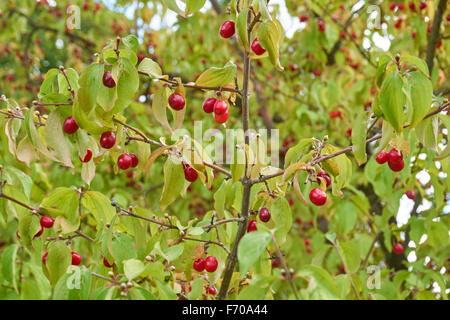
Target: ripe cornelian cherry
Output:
[(334, 114), (211, 290), (176, 101), (251, 226), (46, 222), (382, 157), (411, 194), (220, 107), (190, 173), (70, 126), (108, 140), (318, 196), (303, 18), (276, 263), (256, 47), (44, 258), (106, 263), (401, 6), (211, 264), (264, 214), (134, 160), (321, 25), (412, 6), (208, 105), (38, 234), (124, 161), (396, 166), (221, 118), (306, 241), (227, 29), (423, 5), (108, 80), (326, 176), (87, 157), (398, 248), (76, 258), (392, 6), (199, 265), (395, 156)]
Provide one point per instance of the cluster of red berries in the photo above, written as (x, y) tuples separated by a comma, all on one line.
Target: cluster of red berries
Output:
[(317, 195), (127, 160), (209, 264), (228, 29), (219, 107), (264, 216), (393, 158), (190, 174)]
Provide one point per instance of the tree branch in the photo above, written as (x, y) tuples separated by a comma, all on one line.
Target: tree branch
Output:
[(434, 34)]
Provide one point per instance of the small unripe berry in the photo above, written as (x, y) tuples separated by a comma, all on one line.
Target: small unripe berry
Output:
[(318, 196), (70, 126)]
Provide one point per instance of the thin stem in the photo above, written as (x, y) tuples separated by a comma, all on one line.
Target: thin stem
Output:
[(286, 269), (346, 271)]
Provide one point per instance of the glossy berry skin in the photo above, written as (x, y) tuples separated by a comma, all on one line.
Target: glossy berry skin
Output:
[(256, 47), (176, 101), (412, 6), (396, 166), (382, 157), (251, 226), (401, 6), (87, 157), (397, 248), (394, 156), (134, 160), (411, 194), (46, 222), (106, 263), (423, 5), (208, 105), (38, 234), (227, 29), (318, 196), (70, 126), (211, 264), (190, 173), (76, 259), (303, 18), (334, 114), (264, 214), (221, 118), (199, 265), (108, 80), (392, 6), (326, 176), (220, 107), (124, 161), (108, 140), (321, 25), (44, 258), (212, 291)]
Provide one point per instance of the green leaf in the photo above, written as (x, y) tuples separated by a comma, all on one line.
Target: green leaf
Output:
[(241, 26), (359, 133), (216, 77), (173, 174), (268, 36), (298, 151), (172, 5), (281, 214), (122, 246), (427, 132), (197, 289), (444, 154), (345, 217), (99, 205), (351, 255), (323, 286), (419, 63), (251, 246), (172, 253), (165, 292), (9, 265), (421, 92), (381, 69), (193, 6), (90, 82), (131, 42), (56, 140), (159, 107), (133, 268), (58, 261), (392, 100), (151, 68)]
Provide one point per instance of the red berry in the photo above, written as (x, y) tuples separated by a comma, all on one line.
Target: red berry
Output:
[(396, 166), (411, 194), (401, 6), (276, 263), (176, 101), (211, 290), (134, 160), (321, 25), (76, 258), (190, 173), (342, 268), (87, 157), (349, 132), (448, 17), (398, 248), (108, 80), (105, 262), (256, 47), (220, 107), (334, 114), (303, 18), (199, 264), (318, 196), (46, 222), (124, 161), (326, 176), (140, 57), (317, 72), (264, 214), (306, 241), (70, 126), (392, 6), (208, 105), (423, 5), (394, 156), (413, 35), (221, 118), (412, 6), (227, 29), (17, 234), (130, 174), (44, 258), (382, 157), (108, 140), (251, 226), (38, 234), (211, 264)]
